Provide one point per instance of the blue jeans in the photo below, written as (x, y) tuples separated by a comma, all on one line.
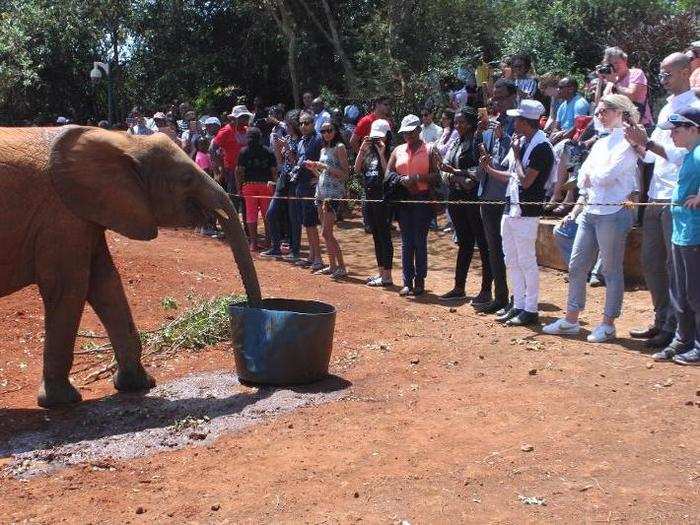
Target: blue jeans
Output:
[(609, 234), (414, 220), (564, 238), (275, 220), (294, 209)]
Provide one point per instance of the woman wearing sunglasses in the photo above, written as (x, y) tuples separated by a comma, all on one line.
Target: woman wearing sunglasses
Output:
[(418, 167), (332, 170), (608, 175)]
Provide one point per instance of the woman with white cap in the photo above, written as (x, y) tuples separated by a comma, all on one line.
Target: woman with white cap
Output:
[(371, 162), (418, 167)]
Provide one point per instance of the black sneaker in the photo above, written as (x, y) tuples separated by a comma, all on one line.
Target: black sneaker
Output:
[(689, 358), (453, 295), (419, 288), (489, 308), (667, 354), (507, 316), (660, 340), (482, 298), (524, 318)]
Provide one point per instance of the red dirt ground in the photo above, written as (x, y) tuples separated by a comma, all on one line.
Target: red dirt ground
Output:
[(433, 427)]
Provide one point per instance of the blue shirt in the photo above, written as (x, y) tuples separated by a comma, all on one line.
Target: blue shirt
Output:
[(686, 222), (569, 110)]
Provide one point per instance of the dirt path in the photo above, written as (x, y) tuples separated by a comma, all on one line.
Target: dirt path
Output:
[(448, 417)]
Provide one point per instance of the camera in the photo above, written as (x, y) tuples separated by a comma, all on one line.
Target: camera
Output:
[(604, 69)]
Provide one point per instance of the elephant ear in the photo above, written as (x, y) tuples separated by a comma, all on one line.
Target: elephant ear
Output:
[(98, 179)]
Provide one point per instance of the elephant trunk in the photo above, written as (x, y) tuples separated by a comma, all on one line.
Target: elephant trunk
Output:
[(213, 197), (241, 253)]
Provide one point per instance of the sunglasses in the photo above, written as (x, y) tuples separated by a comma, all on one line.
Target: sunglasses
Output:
[(327, 131), (664, 75), (601, 112)]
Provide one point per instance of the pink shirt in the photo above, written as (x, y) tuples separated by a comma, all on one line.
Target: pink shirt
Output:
[(695, 79), (637, 76), (203, 160), (413, 163)]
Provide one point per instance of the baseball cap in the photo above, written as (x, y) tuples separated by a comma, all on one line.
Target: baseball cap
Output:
[(240, 111), (528, 108), (409, 123), (61, 120), (689, 116), (212, 121), (160, 115), (379, 129)]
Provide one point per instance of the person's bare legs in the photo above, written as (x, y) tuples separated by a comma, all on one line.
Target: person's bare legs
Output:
[(335, 254), (314, 244)]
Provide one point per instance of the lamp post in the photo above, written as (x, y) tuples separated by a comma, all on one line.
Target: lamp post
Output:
[(100, 69)]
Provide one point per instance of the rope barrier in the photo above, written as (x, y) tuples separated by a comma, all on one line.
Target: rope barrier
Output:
[(627, 204)]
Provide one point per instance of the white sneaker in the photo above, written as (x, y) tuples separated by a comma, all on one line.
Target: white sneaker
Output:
[(562, 327), (601, 333)]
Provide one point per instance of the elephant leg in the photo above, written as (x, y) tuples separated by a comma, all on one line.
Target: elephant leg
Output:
[(107, 298), (63, 292)]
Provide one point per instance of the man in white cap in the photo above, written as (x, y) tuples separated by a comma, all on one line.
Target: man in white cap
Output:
[(230, 140), (530, 163)]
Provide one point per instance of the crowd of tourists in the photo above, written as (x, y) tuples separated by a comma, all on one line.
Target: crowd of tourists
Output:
[(509, 148)]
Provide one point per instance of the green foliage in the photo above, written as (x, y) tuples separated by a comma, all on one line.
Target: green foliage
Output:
[(214, 52)]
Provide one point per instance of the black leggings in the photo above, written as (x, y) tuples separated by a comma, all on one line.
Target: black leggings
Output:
[(379, 220), (467, 224)]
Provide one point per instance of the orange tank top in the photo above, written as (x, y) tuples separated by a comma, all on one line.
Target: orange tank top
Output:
[(414, 163)]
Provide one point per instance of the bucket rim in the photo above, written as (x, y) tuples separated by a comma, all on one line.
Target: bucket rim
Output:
[(245, 306)]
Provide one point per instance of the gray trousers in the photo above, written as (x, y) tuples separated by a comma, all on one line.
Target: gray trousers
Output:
[(658, 264), (685, 295), (491, 215)]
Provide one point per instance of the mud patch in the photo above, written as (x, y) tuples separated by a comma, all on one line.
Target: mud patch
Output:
[(192, 411)]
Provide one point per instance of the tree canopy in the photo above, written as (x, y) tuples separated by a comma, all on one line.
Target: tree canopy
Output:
[(211, 52)]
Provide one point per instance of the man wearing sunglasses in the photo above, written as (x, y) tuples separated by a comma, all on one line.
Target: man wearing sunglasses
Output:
[(660, 150), (684, 127)]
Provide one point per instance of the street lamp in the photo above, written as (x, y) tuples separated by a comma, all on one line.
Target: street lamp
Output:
[(100, 69)]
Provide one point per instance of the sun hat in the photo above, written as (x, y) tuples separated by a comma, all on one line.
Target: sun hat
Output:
[(212, 121), (528, 108), (690, 116), (379, 129), (409, 123), (240, 111)]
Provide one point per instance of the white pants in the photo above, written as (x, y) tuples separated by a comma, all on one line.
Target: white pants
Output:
[(519, 238)]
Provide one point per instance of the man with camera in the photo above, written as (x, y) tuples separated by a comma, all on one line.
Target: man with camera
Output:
[(667, 158)]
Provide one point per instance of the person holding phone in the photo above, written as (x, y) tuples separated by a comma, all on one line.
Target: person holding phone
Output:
[(332, 170), (371, 162), (608, 175), (459, 173)]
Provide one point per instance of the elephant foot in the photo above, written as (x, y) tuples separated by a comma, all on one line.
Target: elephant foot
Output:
[(54, 394), (133, 380)]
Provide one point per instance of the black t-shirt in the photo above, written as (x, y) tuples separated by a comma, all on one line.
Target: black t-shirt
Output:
[(257, 164), (541, 160)]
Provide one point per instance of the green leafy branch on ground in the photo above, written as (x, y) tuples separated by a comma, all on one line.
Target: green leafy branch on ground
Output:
[(204, 323)]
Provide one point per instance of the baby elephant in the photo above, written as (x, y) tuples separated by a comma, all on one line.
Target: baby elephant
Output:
[(60, 188)]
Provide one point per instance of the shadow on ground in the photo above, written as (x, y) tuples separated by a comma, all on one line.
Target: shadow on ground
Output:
[(195, 409)]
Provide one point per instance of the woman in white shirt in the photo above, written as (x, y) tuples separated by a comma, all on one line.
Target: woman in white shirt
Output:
[(609, 175)]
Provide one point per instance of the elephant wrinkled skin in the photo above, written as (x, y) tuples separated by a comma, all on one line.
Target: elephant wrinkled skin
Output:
[(60, 188)]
